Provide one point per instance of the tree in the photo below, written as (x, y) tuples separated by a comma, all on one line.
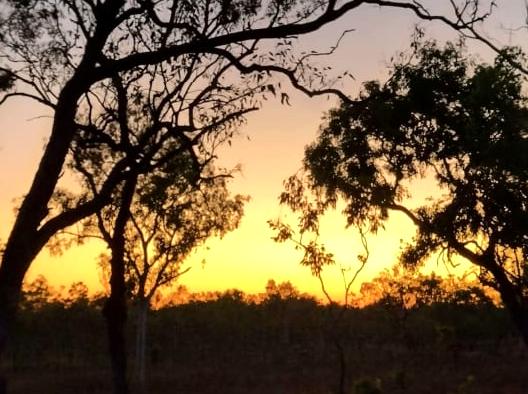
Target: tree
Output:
[(170, 216), (160, 146), (37, 293), (443, 116), (310, 205)]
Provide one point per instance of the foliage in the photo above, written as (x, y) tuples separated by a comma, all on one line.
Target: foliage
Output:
[(442, 116), (189, 63), (170, 217), (310, 205), (404, 289), (37, 293), (196, 68), (282, 291)]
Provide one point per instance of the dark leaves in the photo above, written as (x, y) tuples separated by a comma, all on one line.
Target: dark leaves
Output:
[(6, 81), (443, 117)]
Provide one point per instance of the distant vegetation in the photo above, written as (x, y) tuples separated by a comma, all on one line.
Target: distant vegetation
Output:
[(420, 334)]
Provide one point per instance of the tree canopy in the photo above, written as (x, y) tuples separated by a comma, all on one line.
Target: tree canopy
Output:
[(462, 124)]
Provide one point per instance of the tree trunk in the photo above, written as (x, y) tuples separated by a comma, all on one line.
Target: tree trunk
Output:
[(115, 310), (24, 241), (141, 344), (115, 314), (516, 305), (341, 388), (512, 297), (521, 320)]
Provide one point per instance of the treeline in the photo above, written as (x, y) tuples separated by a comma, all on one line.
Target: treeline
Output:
[(395, 287), (415, 334)]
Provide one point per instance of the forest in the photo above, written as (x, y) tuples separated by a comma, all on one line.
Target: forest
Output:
[(435, 336)]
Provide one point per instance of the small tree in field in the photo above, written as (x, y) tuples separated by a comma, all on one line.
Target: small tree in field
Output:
[(135, 135), (310, 205), (170, 216), (442, 116)]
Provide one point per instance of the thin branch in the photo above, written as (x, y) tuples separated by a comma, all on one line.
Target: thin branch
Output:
[(27, 95), (288, 73)]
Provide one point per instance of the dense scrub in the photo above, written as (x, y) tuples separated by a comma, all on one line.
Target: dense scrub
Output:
[(280, 342)]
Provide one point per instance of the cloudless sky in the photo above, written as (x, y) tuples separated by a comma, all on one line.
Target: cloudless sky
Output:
[(269, 149)]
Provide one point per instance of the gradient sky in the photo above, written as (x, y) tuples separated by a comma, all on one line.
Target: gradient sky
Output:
[(269, 149)]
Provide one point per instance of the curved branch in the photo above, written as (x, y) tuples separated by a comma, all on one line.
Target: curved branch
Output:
[(166, 53), (290, 74), (288, 30), (85, 209), (27, 95), (459, 247), (422, 13)]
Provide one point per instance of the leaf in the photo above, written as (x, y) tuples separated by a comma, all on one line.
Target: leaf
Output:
[(285, 99)]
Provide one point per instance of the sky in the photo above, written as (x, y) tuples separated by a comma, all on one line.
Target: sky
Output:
[(269, 149)]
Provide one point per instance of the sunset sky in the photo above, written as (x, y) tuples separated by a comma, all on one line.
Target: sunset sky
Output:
[(269, 149)]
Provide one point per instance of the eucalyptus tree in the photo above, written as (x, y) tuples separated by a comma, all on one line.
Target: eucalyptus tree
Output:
[(167, 148), (461, 124), (172, 213)]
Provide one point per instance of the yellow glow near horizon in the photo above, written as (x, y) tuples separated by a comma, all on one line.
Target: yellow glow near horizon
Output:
[(247, 257)]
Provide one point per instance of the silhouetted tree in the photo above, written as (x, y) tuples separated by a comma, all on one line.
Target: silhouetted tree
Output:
[(310, 206), (77, 295), (171, 214), (37, 293), (442, 116), (143, 136), (163, 144), (242, 341)]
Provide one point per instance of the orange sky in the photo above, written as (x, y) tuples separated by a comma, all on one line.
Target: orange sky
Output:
[(248, 257)]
